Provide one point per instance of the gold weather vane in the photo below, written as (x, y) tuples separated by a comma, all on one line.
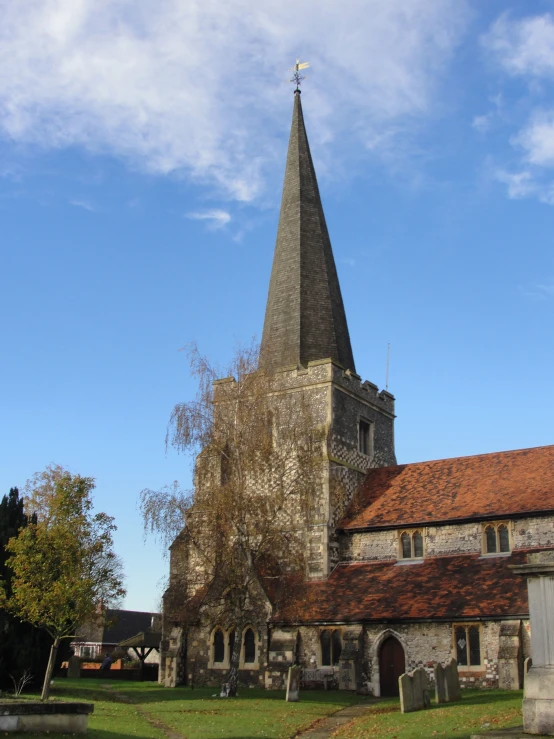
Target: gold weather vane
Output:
[(297, 77)]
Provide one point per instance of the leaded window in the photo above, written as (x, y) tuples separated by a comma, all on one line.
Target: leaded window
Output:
[(468, 645)]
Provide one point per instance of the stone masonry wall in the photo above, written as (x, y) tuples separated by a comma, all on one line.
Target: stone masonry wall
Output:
[(444, 540)]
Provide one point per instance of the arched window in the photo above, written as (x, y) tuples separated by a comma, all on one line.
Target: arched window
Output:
[(490, 536), (411, 545), (503, 538), (417, 540), (325, 648), (331, 647), (219, 646), (249, 646)]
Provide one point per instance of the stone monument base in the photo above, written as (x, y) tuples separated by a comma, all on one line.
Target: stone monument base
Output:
[(42, 718), (538, 701)]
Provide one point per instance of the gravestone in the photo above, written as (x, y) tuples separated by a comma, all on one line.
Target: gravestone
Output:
[(349, 663), (538, 694), (509, 655), (74, 667), (414, 691), (440, 686), (452, 682), (293, 684), (406, 693)]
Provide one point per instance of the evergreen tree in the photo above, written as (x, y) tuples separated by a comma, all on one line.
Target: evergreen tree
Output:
[(21, 645)]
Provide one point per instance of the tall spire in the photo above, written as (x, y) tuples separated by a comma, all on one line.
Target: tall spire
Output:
[(304, 318)]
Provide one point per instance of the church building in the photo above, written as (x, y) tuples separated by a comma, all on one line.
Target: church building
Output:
[(413, 564)]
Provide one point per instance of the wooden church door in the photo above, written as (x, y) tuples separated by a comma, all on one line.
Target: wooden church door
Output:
[(392, 664)]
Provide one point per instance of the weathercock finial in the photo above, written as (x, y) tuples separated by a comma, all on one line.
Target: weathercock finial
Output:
[(297, 77)]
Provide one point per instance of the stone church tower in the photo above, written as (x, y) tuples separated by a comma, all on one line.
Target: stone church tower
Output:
[(306, 338), (306, 346)]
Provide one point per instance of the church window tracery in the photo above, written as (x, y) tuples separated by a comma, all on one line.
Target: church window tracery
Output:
[(411, 544), (496, 538)]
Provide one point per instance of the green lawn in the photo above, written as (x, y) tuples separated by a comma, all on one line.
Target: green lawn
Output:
[(158, 712), (479, 711), (128, 709)]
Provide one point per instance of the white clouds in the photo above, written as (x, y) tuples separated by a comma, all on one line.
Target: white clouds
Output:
[(196, 86), (84, 204), (525, 46), (538, 291), (216, 218), (519, 184)]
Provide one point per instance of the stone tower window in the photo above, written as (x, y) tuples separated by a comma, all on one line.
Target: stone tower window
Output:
[(411, 544), (219, 646), (365, 438), (249, 646), (496, 538), (467, 647), (331, 647)]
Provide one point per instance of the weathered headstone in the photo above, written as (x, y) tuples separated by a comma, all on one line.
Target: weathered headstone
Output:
[(509, 655), (225, 687), (414, 691), (74, 667), (293, 684), (538, 694), (452, 682), (405, 685), (440, 687)]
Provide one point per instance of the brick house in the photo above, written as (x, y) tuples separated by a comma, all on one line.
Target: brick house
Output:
[(412, 564)]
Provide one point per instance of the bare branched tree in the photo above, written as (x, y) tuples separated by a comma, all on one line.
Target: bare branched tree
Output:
[(257, 480)]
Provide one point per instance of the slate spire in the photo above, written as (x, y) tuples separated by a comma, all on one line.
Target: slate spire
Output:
[(304, 318)]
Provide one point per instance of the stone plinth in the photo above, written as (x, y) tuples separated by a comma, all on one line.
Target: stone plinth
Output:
[(538, 696), (41, 718)]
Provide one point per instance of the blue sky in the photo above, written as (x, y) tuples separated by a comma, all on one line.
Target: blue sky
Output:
[(142, 150)]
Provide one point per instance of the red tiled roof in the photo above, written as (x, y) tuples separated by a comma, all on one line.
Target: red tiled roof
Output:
[(499, 484), (449, 588)]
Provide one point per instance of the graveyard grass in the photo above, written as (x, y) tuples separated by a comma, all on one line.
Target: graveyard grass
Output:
[(127, 709)]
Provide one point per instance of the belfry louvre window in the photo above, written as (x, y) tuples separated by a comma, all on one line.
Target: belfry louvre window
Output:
[(496, 538), (411, 544), (467, 640), (331, 647), (364, 438)]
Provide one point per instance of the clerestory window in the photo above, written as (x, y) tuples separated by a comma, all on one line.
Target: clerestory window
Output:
[(496, 538), (411, 544)]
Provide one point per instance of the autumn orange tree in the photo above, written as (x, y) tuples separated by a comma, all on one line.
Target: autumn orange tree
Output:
[(257, 479), (63, 564)]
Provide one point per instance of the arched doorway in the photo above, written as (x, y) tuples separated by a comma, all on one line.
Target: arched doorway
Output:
[(392, 664)]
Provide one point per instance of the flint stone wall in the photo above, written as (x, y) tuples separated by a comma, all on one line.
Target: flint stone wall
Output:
[(444, 540)]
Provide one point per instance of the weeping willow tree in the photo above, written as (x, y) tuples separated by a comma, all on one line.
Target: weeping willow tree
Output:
[(258, 475)]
